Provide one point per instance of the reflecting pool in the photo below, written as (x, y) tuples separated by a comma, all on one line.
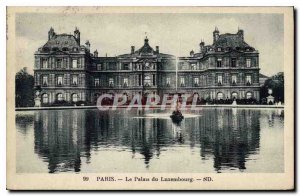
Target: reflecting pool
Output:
[(209, 140)]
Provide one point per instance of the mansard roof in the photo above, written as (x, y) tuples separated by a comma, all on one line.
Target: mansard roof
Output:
[(230, 40), (62, 41)]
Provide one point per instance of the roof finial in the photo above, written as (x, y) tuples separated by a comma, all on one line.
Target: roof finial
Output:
[(146, 38)]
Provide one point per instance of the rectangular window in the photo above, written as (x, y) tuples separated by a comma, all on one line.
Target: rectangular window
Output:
[(220, 79), (193, 66), (111, 81), (233, 79), (248, 62), (45, 81), (99, 66), (59, 81), (182, 81), (58, 63), (248, 80), (233, 62), (154, 80), (219, 63), (125, 81), (74, 63), (45, 63), (111, 66), (125, 66), (96, 82), (168, 81), (75, 80)]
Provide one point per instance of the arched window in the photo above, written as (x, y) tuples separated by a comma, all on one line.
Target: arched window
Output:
[(45, 98), (248, 95), (59, 97), (74, 97), (234, 95), (220, 96)]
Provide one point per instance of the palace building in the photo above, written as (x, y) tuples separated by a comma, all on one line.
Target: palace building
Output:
[(66, 70)]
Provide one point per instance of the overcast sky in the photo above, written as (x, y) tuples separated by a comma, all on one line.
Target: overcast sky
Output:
[(176, 34)]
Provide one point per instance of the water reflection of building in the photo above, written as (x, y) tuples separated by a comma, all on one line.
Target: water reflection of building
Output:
[(63, 138), (232, 143), (59, 139)]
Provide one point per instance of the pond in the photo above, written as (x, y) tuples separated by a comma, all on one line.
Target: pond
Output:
[(209, 140)]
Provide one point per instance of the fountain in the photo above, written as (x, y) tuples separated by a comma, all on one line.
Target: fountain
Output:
[(177, 116)]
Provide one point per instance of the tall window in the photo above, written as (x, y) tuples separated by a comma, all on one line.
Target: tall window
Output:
[(45, 80), (219, 63), (99, 66), (58, 63), (147, 81), (59, 81), (220, 79), (75, 80), (196, 81), (233, 79), (182, 81), (125, 82), (168, 81), (74, 63), (45, 98), (233, 62), (248, 80), (45, 63), (111, 81), (248, 62), (59, 97), (97, 82)]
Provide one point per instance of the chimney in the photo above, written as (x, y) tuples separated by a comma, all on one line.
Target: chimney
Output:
[(157, 49), (216, 34), (132, 49), (202, 44), (51, 33), (241, 33), (88, 45), (77, 35), (95, 53)]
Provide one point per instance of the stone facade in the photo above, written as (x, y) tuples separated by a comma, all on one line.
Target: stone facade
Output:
[(65, 70)]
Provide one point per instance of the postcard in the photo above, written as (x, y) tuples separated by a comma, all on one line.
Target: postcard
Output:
[(150, 98)]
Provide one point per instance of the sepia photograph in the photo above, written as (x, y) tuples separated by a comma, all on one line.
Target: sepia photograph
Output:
[(144, 98)]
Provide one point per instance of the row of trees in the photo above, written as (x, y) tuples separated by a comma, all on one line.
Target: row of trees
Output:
[(24, 89), (276, 83)]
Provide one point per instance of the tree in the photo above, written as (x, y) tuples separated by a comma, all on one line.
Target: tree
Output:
[(24, 89), (276, 83)]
